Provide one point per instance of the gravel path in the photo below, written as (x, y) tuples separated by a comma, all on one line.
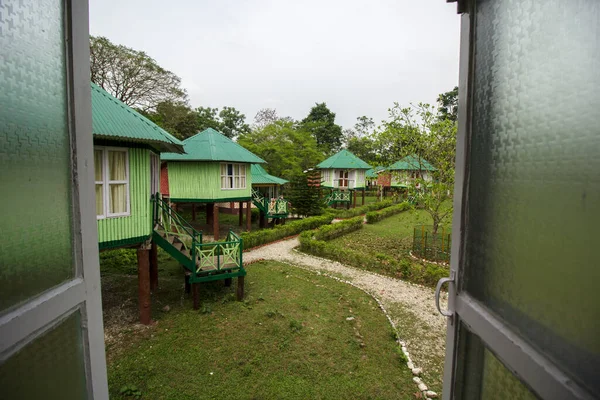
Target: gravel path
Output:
[(410, 306)]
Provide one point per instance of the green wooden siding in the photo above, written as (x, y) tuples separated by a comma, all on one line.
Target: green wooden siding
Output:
[(112, 231), (202, 181)]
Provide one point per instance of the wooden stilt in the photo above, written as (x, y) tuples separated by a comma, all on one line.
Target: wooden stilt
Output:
[(193, 211), (216, 221), (262, 219), (240, 288), (248, 216), (143, 258), (209, 213), (363, 196), (241, 213), (228, 282), (153, 267), (187, 285), (196, 295), (354, 203)]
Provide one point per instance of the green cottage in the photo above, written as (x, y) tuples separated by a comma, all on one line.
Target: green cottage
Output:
[(344, 174), (127, 170), (371, 176), (266, 195), (214, 169), (403, 172)]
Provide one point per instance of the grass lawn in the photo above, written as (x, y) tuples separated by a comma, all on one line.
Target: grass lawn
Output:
[(392, 238), (297, 335)]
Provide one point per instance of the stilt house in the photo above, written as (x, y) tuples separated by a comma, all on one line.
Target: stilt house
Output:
[(344, 174)]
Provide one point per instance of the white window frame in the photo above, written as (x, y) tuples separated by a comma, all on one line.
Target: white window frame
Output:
[(154, 173), (106, 182), (242, 177)]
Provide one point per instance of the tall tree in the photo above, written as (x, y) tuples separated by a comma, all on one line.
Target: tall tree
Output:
[(229, 121), (448, 105), (320, 122), (175, 117), (264, 117), (285, 146), (132, 76)]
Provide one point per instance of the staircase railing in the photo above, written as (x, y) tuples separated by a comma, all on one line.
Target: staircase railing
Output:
[(272, 206), (174, 224), (214, 257), (338, 195)]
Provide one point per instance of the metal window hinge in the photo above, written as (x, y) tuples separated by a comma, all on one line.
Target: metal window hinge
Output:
[(446, 313)]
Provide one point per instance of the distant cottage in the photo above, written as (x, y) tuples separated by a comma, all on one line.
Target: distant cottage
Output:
[(344, 173)]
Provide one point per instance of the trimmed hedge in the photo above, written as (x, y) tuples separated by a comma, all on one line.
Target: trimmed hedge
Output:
[(353, 212), (253, 239), (316, 242), (373, 217)]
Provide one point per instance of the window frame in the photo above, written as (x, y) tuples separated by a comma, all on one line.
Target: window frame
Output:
[(232, 178), (106, 182)]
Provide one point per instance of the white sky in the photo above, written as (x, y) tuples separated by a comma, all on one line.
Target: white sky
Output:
[(357, 56)]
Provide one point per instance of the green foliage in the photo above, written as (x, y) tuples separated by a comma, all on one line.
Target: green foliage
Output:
[(257, 238), (132, 76), (176, 118), (123, 261), (285, 146), (320, 122), (305, 199), (448, 105), (229, 121), (353, 212), (130, 391), (376, 216), (328, 232)]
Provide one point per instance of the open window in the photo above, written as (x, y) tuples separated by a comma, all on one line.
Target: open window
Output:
[(233, 176)]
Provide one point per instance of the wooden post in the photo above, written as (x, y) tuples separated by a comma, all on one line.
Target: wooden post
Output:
[(187, 285), (241, 212), (153, 266), (193, 211), (209, 213), (228, 282), (354, 205), (196, 295), (240, 288), (262, 219), (248, 216), (363, 196), (143, 258), (216, 221)]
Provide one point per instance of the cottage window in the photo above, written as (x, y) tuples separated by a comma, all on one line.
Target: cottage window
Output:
[(112, 182), (233, 176), (343, 181)]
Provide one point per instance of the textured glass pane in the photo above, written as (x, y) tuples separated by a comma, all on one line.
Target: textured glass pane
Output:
[(98, 165), (117, 165), (35, 172), (51, 367), (118, 199), (483, 376), (99, 199), (534, 190)]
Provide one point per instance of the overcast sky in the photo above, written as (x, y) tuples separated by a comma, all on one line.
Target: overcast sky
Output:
[(357, 56)]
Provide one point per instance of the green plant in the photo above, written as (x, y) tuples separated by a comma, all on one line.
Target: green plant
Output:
[(295, 325), (353, 212), (131, 391), (401, 355), (376, 216)]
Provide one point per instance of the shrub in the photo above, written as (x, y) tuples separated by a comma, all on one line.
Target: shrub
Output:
[(353, 212), (253, 239), (376, 216), (123, 261), (328, 232)]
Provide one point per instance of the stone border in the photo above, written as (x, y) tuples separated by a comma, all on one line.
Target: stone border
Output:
[(427, 394), (427, 261)]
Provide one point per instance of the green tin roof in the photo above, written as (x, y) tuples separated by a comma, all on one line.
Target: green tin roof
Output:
[(261, 177), (210, 145), (411, 163), (344, 159), (372, 173), (113, 119)]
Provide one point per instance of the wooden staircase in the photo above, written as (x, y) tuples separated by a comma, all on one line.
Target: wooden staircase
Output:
[(272, 208), (202, 262)]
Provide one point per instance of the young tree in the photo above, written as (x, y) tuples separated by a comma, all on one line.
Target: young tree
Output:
[(132, 76), (448, 105), (416, 131), (305, 198), (320, 122), (264, 117)]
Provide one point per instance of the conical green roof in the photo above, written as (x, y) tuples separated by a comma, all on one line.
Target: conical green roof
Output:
[(113, 119), (344, 160), (411, 163), (261, 177), (372, 173), (210, 145)]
